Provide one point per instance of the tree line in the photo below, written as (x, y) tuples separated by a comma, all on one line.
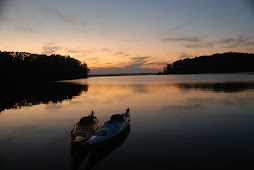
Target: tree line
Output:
[(15, 96), (217, 63), (26, 66)]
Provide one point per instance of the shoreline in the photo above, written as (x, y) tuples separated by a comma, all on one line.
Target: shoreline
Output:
[(144, 74)]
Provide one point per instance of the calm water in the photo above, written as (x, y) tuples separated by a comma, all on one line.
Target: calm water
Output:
[(178, 122)]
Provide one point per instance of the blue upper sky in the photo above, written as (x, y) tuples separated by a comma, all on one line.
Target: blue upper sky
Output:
[(127, 35)]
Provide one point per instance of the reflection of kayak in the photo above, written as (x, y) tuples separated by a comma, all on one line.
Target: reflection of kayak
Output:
[(78, 155), (81, 159), (98, 155), (84, 129), (109, 130)]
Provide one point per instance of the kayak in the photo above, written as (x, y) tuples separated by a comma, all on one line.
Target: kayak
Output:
[(82, 158), (97, 155), (84, 129), (109, 130)]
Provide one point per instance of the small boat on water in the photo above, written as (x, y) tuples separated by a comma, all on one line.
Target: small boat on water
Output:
[(97, 155), (84, 129), (82, 158), (109, 130)]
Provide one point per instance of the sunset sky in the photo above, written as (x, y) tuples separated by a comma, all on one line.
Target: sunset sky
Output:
[(127, 36)]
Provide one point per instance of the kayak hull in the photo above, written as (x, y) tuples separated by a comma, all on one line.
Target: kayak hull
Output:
[(108, 132), (103, 144), (83, 130)]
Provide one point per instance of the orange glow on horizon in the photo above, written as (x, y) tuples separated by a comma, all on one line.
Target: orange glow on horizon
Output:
[(101, 53)]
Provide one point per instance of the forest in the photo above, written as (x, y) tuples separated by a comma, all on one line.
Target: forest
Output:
[(217, 63), (16, 66)]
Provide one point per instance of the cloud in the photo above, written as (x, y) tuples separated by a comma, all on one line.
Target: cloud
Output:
[(234, 42), (119, 70), (137, 62), (200, 45), (50, 48), (119, 53), (64, 16), (22, 28), (134, 66), (105, 49), (131, 41), (75, 19), (156, 63), (250, 4), (3, 7), (176, 28), (201, 41), (140, 60), (83, 24), (73, 51), (54, 12), (189, 41), (249, 43), (184, 38), (185, 55), (93, 58), (122, 53), (82, 51), (88, 51)]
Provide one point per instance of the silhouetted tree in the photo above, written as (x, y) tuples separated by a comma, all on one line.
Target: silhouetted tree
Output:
[(22, 65), (216, 63)]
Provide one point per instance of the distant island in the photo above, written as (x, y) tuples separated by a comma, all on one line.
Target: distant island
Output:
[(217, 63), (16, 66)]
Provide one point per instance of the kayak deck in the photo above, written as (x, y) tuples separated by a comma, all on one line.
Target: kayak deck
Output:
[(117, 124)]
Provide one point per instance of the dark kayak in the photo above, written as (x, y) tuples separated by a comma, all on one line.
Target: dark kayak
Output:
[(84, 129)]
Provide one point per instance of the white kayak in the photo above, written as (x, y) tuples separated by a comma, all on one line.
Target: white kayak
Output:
[(110, 129)]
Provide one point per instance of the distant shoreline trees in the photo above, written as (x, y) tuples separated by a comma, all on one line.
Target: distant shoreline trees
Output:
[(217, 63), (40, 67)]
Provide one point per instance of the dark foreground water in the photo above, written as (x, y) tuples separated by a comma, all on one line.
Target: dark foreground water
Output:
[(177, 122)]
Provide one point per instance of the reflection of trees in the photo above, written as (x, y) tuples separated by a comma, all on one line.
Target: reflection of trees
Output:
[(218, 86), (15, 96)]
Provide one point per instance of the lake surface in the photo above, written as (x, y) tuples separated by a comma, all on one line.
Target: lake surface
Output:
[(177, 122)]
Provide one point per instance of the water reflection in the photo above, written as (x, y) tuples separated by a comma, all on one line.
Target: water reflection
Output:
[(20, 95), (196, 121), (82, 158), (17, 96), (226, 87), (78, 154)]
